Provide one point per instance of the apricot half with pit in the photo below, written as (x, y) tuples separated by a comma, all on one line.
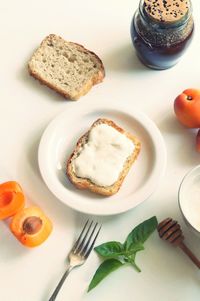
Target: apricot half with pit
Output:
[(31, 226)]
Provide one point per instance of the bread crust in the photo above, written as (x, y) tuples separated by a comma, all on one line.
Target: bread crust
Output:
[(83, 183), (97, 78)]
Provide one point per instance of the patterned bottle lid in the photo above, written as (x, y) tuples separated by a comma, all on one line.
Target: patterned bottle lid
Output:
[(168, 11)]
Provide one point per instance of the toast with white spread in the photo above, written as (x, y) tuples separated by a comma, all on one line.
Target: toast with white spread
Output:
[(102, 158)]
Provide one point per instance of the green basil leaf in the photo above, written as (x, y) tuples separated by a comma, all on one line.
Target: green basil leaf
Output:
[(104, 270), (133, 249), (111, 249), (140, 233), (131, 260)]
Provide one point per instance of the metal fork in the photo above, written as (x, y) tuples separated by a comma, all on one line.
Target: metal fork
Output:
[(80, 252)]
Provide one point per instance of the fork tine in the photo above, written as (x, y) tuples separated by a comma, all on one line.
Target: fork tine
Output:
[(91, 247), (84, 249), (82, 241), (80, 236)]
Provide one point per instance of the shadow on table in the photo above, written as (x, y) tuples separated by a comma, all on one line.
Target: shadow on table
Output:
[(10, 246), (186, 151), (125, 60)]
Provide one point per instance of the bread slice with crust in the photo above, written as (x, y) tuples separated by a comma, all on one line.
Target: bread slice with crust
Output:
[(84, 183), (66, 67)]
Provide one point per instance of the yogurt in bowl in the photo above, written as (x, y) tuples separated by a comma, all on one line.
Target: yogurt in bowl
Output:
[(189, 199)]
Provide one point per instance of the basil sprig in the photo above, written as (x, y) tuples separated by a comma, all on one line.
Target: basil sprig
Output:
[(117, 254)]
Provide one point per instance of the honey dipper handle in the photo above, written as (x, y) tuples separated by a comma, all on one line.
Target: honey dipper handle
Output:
[(189, 253)]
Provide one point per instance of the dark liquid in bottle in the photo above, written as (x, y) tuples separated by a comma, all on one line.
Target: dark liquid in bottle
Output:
[(161, 31), (158, 56)]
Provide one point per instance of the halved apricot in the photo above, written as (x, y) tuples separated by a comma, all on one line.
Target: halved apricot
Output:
[(11, 199), (31, 226)]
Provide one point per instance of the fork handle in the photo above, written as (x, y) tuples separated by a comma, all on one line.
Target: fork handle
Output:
[(62, 280)]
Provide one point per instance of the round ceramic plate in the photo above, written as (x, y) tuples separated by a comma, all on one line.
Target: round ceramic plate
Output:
[(59, 140)]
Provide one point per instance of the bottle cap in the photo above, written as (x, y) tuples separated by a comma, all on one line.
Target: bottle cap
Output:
[(168, 11)]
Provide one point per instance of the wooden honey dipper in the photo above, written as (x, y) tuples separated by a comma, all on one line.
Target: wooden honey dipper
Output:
[(170, 231)]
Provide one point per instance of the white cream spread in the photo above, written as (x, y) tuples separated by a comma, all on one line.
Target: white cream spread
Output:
[(102, 158)]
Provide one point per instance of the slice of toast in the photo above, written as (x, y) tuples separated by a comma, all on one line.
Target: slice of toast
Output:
[(66, 67), (85, 183)]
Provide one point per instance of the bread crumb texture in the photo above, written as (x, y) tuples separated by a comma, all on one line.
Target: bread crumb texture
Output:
[(66, 67)]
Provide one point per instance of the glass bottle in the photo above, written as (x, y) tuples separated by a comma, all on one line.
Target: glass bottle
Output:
[(161, 31)]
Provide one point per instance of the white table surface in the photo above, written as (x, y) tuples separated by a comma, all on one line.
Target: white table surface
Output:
[(26, 108)]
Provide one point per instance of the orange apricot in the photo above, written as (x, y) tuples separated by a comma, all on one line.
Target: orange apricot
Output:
[(31, 226), (11, 199), (187, 108)]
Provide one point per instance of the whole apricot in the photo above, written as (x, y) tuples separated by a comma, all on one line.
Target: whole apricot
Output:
[(187, 108)]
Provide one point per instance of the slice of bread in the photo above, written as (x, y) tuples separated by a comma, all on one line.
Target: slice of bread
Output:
[(66, 67), (84, 183)]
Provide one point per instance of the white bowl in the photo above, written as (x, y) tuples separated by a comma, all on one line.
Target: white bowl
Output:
[(59, 140), (189, 199)]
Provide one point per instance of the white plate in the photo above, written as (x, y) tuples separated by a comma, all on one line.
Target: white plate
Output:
[(59, 140)]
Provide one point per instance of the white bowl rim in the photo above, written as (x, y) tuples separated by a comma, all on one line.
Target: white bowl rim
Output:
[(187, 175)]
